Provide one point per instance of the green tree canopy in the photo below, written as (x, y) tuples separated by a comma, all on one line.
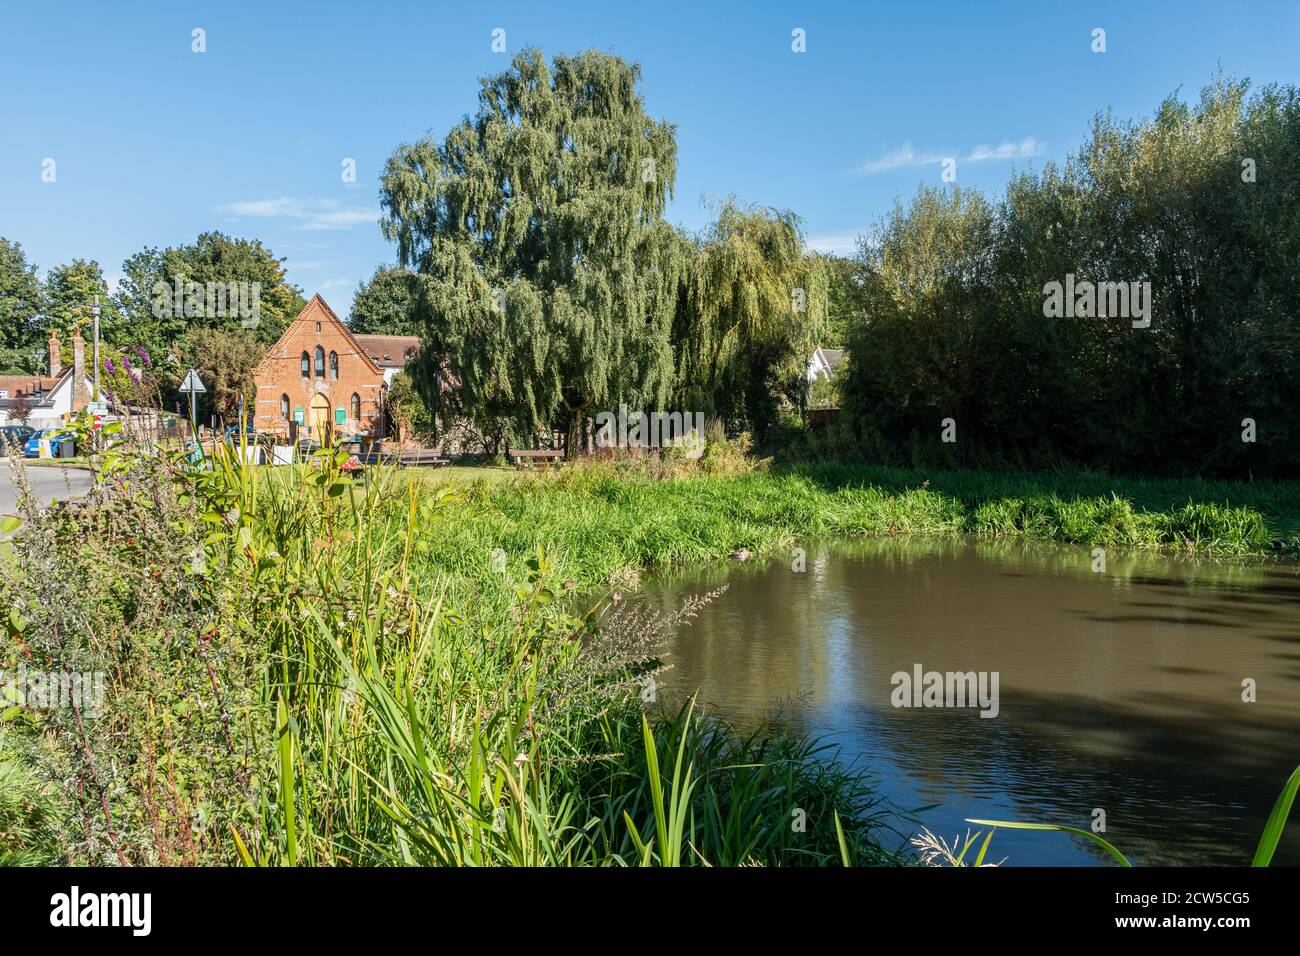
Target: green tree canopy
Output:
[(844, 296), (158, 331), (225, 360), (755, 310), (21, 297), (1201, 203), (385, 305), (549, 279), (924, 310), (70, 292), (157, 318)]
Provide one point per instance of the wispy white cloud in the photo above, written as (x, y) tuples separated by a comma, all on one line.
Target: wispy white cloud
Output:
[(900, 159), (311, 214), (907, 157), (836, 243), (1005, 150)]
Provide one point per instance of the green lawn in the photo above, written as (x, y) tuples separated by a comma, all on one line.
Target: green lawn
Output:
[(462, 473)]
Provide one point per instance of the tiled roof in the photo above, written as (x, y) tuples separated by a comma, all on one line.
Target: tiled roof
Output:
[(388, 351), (832, 357), (27, 384)]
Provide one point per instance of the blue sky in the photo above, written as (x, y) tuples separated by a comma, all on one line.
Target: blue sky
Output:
[(155, 144)]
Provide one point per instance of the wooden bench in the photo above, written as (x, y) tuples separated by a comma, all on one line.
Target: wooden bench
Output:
[(414, 457), (538, 457), (421, 457)]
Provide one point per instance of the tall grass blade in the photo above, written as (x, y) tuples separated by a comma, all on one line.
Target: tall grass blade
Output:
[(286, 782), (845, 857), (1010, 825), (1277, 821)]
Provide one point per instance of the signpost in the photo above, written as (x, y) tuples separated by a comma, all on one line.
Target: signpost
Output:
[(194, 385)]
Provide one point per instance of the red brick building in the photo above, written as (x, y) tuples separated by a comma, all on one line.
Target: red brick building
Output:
[(326, 380)]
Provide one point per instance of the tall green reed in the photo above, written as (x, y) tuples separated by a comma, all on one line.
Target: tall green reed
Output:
[(423, 716)]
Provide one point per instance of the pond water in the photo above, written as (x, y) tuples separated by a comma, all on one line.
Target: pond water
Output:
[(1120, 690)]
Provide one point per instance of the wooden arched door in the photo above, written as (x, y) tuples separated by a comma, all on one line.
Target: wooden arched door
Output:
[(319, 418)]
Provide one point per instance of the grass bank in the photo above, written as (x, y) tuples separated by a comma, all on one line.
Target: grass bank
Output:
[(597, 522)]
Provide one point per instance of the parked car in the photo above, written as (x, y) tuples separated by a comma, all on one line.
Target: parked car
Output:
[(47, 437), (231, 435), (15, 434)]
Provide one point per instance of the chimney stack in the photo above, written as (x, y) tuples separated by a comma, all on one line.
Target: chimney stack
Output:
[(56, 363), (80, 394)]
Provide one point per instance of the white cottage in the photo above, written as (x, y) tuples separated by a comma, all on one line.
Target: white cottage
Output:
[(823, 363), (50, 398)]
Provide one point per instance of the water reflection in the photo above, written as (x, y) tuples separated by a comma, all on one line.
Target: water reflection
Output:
[(1120, 690)]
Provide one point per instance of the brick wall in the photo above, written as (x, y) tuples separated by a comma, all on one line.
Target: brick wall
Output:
[(280, 373)]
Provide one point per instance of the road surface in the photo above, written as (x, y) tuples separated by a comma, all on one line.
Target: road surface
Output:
[(47, 482)]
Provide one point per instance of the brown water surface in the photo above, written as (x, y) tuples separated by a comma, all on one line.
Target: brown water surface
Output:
[(1119, 690)]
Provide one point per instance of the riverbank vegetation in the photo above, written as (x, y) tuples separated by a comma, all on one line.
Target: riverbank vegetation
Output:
[(600, 520), (300, 669)]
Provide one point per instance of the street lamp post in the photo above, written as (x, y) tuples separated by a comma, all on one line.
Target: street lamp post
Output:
[(94, 311)]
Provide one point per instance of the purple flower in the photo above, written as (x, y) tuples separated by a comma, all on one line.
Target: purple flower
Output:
[(126, 362), (108, 365), (144, 356)]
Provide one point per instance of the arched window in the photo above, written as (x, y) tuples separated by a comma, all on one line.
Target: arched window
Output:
[(334, 365), (356, 407), (284, 407), (306, 365), (320, 362)]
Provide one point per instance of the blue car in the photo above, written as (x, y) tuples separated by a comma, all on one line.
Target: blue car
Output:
[(15, 435), (231, 435), (46, 439)]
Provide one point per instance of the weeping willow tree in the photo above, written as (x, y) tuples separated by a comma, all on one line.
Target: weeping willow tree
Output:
[(548, 279), (755, 308)]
